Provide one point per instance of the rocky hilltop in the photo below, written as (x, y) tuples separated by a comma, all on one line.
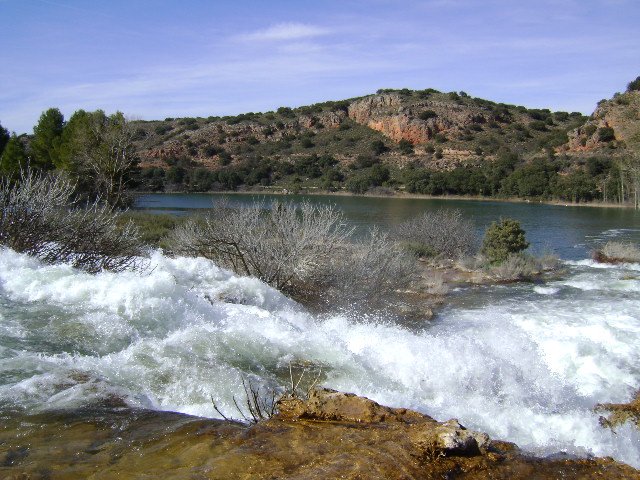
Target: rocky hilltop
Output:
[(404, 141), (454, 125), (614, 125), (328, 435)]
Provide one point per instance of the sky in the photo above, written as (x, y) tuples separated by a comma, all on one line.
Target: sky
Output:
[(162, 58)]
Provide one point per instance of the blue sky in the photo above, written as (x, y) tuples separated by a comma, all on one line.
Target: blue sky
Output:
[(157, 59)]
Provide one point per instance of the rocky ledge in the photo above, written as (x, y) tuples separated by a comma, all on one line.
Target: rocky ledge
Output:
[(328, 435)]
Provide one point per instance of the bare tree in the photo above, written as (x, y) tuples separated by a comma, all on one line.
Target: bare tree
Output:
[(39, 217), (106, 153), (304, 250), (279, 245), (441, 233)]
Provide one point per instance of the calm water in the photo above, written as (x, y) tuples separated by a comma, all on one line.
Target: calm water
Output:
[(570, 232)]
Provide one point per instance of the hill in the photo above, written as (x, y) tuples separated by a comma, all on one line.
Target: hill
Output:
[(335, 144)]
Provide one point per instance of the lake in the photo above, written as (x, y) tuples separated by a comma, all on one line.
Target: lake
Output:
[(570, 232)]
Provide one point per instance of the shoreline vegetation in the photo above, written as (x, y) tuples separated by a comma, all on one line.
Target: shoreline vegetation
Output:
[(389, 194)]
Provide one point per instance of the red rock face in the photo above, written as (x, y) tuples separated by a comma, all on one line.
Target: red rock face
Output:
[(386, 114)]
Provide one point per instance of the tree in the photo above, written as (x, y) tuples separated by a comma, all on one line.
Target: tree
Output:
[(4, 138), (378, 147), (405, 146), (98, 150), (503, 239), (14, 157), (634, 85), (47, 136)]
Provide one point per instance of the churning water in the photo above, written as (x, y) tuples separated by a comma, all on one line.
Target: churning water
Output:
[(525, 363)]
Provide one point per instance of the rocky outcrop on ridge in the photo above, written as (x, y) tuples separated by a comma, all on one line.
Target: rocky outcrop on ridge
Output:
[(615, 124)]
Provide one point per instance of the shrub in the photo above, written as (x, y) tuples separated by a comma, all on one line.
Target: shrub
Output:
[(366, 272), (39, 217), (405, 146), (279, 245), (515, 267), (378, 147), (503, 238), (616, 252), (427, 114), (634, 85), (442, 233), (304, 250), (606, 134)]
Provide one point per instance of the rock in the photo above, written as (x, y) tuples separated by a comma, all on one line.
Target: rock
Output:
[(330, 435), (330, 405)]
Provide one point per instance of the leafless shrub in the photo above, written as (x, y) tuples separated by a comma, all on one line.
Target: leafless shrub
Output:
[(259, 405), (39, 217), (368, 272), (516, 267), (280, 245), (443, 233), (437, 285), (305, 251), (617, 252)]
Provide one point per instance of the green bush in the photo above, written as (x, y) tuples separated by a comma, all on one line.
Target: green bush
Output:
[(406, 146), (634, 85), (427, 114), (606, 134), (502, 239)]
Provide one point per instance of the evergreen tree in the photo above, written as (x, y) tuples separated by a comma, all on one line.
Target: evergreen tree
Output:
[(14, 157), (4, 138), (47, 138)]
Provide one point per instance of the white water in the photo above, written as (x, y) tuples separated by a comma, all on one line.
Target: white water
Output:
[(524, 363)]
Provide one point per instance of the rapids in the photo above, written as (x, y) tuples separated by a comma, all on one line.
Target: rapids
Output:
[(525, 363)]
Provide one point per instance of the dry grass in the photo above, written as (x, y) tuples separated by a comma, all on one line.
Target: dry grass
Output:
[(618, 252)]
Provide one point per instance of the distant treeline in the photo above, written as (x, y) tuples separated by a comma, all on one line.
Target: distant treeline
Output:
[(598, 179)]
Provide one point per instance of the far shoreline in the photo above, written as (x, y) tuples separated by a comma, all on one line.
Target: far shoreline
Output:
[(394, 194)]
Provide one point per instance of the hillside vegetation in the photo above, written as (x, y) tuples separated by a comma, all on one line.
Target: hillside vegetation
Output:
[(414, 141)]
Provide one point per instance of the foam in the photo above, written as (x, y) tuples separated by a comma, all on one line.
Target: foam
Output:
[(528, 367)]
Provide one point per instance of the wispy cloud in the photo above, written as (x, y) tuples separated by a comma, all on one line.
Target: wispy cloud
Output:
[(285, 31)]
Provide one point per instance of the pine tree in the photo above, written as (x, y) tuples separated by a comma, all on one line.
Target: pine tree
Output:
[(46, 139)]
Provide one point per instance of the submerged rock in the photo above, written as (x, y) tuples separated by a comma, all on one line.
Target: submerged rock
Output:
[(329, 435)]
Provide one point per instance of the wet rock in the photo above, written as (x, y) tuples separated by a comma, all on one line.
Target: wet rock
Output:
[(330, 435)]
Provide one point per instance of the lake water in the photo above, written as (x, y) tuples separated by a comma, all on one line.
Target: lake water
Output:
[(571, 232), (525, 363)]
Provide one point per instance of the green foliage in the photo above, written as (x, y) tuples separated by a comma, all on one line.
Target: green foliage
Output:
[(606, 134), (378, 147), (4, 138), (47, 136), (405, 146), (14, 157), (531, 180), (576, 187), (634, 85), (427, 114), (502, 239)]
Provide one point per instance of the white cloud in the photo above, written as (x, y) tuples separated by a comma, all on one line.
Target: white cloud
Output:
[(285, 31)]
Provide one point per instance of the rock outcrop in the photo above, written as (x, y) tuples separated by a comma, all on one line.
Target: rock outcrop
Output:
[(386, 113), (329, 435), (614, 123)]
